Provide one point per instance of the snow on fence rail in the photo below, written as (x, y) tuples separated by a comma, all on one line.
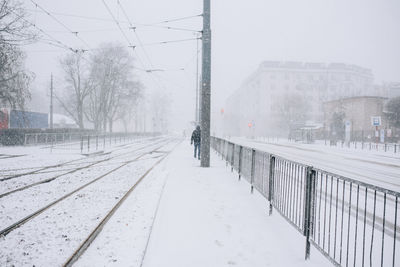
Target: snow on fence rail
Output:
[(363, 145), (348, 221), (81, 141), (386, 147)]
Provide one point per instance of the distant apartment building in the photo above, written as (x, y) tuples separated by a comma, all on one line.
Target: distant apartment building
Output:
[(279, 94)]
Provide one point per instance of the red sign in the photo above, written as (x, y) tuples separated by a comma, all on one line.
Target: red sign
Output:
[(3, 119)]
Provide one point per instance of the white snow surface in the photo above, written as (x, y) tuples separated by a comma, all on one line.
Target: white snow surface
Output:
[(183, 214), (205, 218)]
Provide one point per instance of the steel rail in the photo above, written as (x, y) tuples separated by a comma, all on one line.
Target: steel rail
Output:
[(22, 221), (92, 236), (59, 165)]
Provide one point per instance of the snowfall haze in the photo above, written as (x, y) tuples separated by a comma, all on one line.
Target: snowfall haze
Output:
[(244, 34)]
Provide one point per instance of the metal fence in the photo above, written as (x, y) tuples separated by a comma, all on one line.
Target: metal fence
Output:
[(350, 222), (361, 145), (81, 141), (386, 147)]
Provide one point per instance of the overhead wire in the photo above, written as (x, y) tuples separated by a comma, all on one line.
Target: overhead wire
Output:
[(120, 21), (134, 30), (75, 33), (166, 27), (177, 19), (129, 42), (83, 17), (137, 25), (58, 42), (171, 41), (141, 45), (119, 26)]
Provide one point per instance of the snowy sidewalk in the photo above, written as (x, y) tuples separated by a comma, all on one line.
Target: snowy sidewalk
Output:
[(207, 218)]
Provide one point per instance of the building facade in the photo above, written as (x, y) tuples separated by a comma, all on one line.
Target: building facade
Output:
[(279, 94), (358, 113)]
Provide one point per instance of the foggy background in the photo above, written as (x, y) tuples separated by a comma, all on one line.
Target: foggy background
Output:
[(244, 33)]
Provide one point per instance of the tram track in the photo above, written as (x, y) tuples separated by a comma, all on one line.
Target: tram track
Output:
[(90, 165), (34, 214), (97, 230), (54, 166)]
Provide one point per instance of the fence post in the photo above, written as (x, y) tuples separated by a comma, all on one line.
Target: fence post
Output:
[(226, 150), (97, 141), (88, 142), (240, 161), (308, 208), (253, 168), (271, 182), (395, 145), (81, 144), (233, 157)]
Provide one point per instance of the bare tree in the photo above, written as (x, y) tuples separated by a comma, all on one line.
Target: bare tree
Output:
[(111, 76), (128, 101), (14, 31), (393, 111), (160, 106), (78, 86), (291, 109)]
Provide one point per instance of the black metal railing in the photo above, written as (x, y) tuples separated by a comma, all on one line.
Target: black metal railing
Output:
[(350, 222)]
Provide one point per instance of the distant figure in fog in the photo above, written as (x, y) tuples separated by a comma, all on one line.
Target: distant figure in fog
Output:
[(196, 139)]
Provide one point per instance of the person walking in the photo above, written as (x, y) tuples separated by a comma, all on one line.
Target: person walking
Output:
[(196, 139)]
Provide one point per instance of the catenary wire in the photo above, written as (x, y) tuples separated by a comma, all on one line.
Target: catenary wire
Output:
[(75, 33)]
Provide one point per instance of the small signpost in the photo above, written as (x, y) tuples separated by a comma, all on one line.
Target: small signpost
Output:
[(376, 121)]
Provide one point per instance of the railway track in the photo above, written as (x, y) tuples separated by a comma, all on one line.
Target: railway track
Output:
[(90, 165), (29, 217), (39, 170), (92, 236)]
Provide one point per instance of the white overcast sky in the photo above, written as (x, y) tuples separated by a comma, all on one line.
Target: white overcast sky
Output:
[(244, 33)]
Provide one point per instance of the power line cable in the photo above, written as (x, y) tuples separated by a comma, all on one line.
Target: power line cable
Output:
[(141, 45), (166, 27), (177, 19), (137, 25), (120, 21), (75, 33), (129, 42), (119, 26), (134, 30), (82, 17), (171, 41), (59, 43)]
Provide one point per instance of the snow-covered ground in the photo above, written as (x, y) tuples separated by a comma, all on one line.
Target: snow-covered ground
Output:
[(373, 167), (205, 217), (49, 237), (180, 215)]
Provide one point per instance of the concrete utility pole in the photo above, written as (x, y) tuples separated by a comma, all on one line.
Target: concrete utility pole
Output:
[(196, 114), (51, 102), (206, 87)]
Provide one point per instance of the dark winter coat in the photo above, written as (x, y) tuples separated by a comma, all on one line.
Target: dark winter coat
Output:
[(196, 137)]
